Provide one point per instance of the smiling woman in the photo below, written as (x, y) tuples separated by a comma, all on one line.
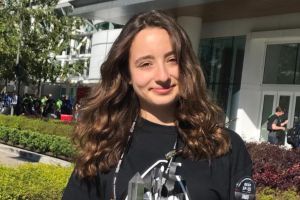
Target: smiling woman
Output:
[(149, 130), (154, 74)]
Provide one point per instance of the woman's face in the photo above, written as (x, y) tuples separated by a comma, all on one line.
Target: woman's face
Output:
[(153, 67)]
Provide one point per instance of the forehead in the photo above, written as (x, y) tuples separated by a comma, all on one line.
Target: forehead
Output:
[(151, 38)]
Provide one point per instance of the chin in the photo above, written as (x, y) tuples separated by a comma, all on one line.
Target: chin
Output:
[(169, 102)]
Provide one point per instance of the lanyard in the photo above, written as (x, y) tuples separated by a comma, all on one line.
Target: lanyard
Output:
[(169, 156), (121, 159)]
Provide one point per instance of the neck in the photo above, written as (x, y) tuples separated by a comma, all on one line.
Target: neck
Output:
[(161, 115)]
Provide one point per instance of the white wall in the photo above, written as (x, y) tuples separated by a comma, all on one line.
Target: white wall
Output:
[(192, 26), (249, 106), (101, 44), (245, 26)]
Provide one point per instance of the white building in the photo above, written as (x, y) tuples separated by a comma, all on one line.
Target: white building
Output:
[(249, 51)]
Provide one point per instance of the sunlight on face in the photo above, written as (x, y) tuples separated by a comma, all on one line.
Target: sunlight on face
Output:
[(153, 67)]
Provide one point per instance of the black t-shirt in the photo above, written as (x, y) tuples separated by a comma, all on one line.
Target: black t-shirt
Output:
[(150, 142)]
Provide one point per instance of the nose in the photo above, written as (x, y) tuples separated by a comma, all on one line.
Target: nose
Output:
[(162, 75)]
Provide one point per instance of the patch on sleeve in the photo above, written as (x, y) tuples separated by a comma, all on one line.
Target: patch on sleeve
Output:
[(245, 189)]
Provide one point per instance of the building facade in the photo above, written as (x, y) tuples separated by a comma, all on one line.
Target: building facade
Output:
[(248, 50)]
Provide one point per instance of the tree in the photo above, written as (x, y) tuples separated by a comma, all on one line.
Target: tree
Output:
[(42, 34), (8, 44)]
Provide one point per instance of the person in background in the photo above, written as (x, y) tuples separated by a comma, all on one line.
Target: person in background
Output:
[(66, 107), (150, 120), (43, 104), (76, 110), (49, 107), (277, 126), (58, 106)]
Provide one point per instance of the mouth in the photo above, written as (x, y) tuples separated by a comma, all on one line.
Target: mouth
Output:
[(163, 90)]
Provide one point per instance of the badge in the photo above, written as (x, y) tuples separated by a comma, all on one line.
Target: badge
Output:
[(245, 189)]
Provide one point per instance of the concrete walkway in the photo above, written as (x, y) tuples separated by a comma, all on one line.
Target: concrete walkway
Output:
[(11, 160), (12, 156)]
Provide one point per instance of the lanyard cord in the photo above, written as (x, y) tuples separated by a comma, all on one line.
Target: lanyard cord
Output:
[(169, 156), (121, 159)]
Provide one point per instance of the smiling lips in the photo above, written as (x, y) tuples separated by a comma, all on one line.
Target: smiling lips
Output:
[(162, 90)]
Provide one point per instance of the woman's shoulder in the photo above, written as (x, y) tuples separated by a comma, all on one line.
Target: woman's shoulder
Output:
[(235, 139), (80, 188), (238, 150)]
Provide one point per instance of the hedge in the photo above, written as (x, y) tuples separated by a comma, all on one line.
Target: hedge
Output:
[(58, 146), (275, 167), (267, 193), (51, 127), (33, 182)]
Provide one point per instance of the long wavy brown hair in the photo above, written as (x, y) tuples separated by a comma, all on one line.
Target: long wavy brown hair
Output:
[(108, 112)]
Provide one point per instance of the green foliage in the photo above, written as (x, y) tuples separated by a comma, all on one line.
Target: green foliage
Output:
[(8, 43), (51, 127), (33, 181), (34, 141), (40, 33), (266, 193)]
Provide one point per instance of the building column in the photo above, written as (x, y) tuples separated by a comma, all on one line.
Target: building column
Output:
[(192, 26)]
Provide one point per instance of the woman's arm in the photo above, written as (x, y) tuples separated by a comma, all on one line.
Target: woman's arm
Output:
[(79, 189), (241, 163)]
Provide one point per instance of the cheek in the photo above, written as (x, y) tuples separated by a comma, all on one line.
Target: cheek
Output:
[(175, 72), (140, 79)]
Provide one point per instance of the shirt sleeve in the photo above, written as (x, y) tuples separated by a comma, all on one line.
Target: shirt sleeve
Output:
[(241, 164), (79, 189), (276, 121)]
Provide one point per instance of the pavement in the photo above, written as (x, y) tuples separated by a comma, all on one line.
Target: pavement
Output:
[(11, 159), (13, 156)]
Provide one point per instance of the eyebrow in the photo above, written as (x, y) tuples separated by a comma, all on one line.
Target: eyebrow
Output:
[(143, 58), (152, 57), (169, 53)]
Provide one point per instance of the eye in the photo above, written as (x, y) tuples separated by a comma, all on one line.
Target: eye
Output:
[(172, 59), (144, 64)]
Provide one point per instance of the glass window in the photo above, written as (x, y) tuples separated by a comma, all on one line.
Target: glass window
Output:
[(222, 61), (280, 64), (217, 69), (117, 26), (102, 26), (297, 74)]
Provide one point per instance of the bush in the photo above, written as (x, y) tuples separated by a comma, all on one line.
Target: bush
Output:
[(275, 167), (51, 127), (33, 181), (268, 193), (4, 134), (57, 145)]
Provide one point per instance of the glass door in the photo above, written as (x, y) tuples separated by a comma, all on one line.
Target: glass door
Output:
[(295, 119), (269, 103), (267, 109), (284, 100)]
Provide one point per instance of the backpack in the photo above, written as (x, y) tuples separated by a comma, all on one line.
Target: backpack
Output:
[(270, 122), (293, 136)]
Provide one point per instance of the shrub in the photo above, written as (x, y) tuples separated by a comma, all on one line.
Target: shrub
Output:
[(57, 145), (51, 127), (275, 166), (4, 134), (33, 181), (267, 193)]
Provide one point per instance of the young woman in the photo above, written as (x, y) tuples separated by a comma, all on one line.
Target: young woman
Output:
[(152, 101)]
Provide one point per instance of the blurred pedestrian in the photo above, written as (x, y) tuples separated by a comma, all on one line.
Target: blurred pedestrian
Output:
[(276, 126)]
